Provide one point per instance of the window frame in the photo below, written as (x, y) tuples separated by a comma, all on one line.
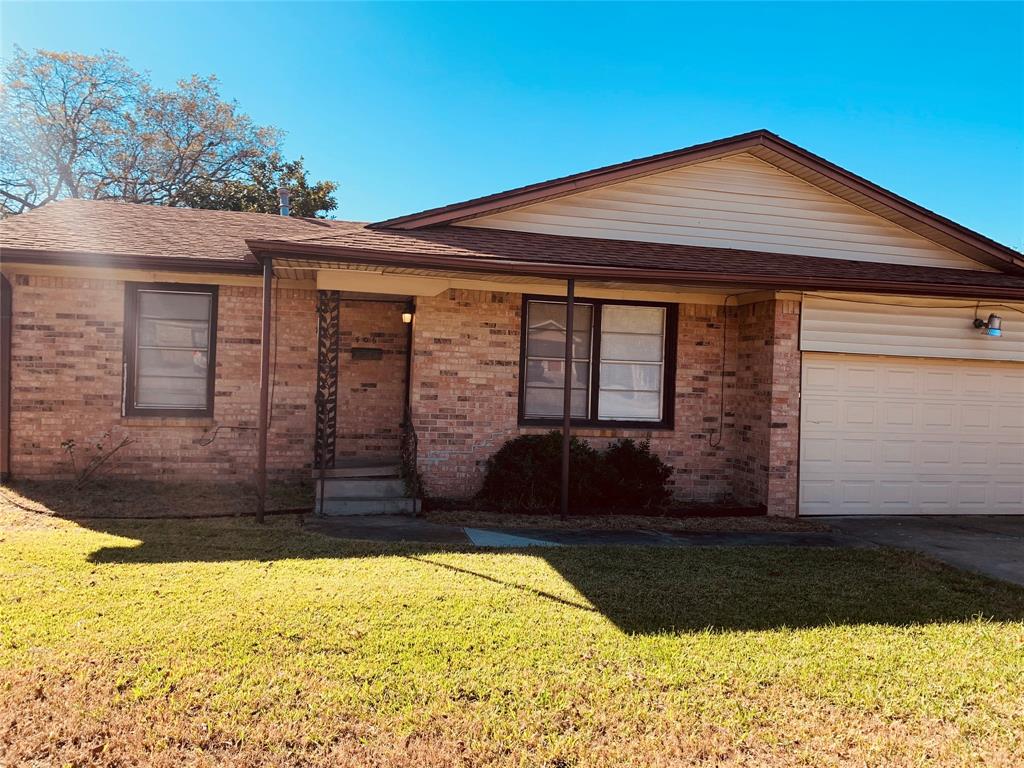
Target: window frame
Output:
[(667, 421), (131, 347)]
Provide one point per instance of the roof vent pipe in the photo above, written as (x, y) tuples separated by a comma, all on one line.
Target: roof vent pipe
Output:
[(283, 198)]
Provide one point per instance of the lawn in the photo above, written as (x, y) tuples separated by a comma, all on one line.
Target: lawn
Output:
[(217, 642)]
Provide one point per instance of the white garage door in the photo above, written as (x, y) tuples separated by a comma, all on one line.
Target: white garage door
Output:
[(898, 435)]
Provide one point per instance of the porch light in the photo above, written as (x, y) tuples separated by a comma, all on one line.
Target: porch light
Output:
[(991, 327), (407, 313)]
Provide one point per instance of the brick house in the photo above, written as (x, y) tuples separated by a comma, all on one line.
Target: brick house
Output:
[(786, 334)]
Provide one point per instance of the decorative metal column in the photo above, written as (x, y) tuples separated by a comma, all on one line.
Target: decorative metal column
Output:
[(328, 340)]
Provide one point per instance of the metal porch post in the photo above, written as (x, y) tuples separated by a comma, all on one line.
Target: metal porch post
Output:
[(263, 420), (570, 306)]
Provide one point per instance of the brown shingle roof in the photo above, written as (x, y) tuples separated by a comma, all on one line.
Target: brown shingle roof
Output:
[(126, 229), (491, 248), (110, 233)]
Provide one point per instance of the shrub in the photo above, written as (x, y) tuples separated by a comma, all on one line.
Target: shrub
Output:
[(525, 475), (632, 476)]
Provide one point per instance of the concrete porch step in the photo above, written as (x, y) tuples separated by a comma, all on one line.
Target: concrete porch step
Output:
[(362, 488), (386, 467), (335, 507)]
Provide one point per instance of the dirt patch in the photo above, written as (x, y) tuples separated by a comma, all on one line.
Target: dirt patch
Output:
[(598, 522), (149, 499)]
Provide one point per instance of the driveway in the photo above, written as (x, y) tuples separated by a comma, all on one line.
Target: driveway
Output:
[(988, 544)]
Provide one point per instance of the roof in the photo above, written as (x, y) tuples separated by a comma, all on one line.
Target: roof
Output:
[(503, 252), (92, 233), (762, 144), (121, 232)]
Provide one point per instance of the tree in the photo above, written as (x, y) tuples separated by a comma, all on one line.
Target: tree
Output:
[(259, 193), (73, 125)]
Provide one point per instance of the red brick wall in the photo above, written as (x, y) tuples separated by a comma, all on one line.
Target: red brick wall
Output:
[(767, 405), (465, 395), (67, 358), (371, 393), (67, 373), (783, 464), (465, 384)]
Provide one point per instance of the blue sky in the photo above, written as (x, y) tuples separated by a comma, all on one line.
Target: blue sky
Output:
[(411, 106)]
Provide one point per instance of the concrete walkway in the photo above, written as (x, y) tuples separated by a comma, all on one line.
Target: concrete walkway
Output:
[(398, 528), (989, 544)]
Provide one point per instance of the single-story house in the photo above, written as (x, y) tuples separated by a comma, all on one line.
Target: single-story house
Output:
[(785, 333)]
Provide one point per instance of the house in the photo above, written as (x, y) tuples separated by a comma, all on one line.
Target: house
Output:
[(785, 333)]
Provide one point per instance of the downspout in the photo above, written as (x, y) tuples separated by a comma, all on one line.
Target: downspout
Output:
[(6, 320), (263, 418), (262, 423), (570, 307)]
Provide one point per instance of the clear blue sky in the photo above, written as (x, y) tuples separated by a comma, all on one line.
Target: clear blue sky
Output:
[(411, 106)]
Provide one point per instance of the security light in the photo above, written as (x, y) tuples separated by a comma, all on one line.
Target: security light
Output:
[(992, 327)]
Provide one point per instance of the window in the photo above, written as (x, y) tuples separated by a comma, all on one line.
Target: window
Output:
[(170, 332), (623, 362)]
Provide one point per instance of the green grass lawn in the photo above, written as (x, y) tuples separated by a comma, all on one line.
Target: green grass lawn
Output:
[(169, 642)]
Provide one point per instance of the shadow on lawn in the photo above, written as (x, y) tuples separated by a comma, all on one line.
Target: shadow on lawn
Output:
[(641, 590)]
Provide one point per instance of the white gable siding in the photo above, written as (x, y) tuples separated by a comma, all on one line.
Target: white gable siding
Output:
[(733, 202)]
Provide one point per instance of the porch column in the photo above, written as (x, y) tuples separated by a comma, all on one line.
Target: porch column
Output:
[(570, 306), (263, 420)]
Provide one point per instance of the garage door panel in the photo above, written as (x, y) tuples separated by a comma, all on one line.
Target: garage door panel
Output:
[(1009, 494), (897, 453), (909, 435)]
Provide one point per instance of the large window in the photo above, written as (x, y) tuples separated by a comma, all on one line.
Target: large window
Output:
[(622, 367), (170, 332)]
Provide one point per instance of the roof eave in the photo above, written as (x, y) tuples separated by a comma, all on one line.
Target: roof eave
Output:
[(129, 261), (553, 270)]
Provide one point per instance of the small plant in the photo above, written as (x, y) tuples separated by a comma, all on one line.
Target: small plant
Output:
[(525, 475), (102, 454)]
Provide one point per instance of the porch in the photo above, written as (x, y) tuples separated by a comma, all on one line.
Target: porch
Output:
[(439, 394)]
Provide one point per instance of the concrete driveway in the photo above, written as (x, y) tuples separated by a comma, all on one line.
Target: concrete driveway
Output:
[(988, 544)]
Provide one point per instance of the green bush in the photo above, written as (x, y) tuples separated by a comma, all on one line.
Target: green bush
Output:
[(525, 475), (632, 476)]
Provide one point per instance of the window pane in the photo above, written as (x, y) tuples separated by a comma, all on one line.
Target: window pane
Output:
[(644, 406), (615, 317), (546, 402), (631, 376), (174, 333), (546, 330), (176, 306), (173, 362), (631, 346), (160, 391), (551, 373)]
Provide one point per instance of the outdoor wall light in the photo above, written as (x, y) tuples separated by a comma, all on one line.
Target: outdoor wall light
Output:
[(407, 313), (992, 327)]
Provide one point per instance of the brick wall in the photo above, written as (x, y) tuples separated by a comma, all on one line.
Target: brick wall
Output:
[(465, 384), (466, 380), (767, 405), (67, 382), (67, 360)]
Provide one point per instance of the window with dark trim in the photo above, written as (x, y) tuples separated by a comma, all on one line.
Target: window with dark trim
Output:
[(170, 332), (623, 362)]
